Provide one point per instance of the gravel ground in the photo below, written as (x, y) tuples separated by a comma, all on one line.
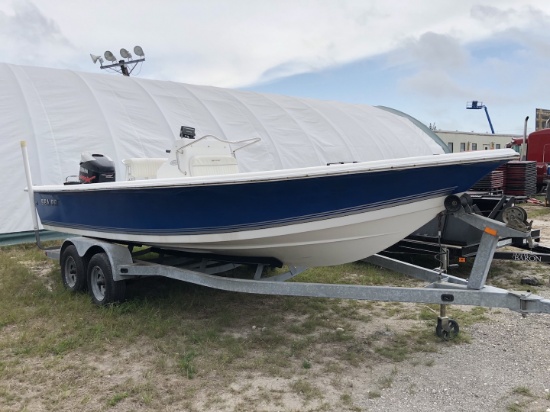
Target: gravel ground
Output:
[(506, 367), (507, 355)]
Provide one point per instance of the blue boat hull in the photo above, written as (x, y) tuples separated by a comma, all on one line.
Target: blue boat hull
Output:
[(261, 217)]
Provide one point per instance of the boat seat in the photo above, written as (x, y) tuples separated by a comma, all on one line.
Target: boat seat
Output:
[(142, 169), (205, 165)]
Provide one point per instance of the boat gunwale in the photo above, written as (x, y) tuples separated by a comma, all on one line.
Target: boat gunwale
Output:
[(296, 173)]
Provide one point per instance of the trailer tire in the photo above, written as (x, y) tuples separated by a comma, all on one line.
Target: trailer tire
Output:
[(73, 270), (103, 289)]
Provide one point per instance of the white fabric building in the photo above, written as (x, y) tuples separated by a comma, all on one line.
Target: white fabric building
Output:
[(61, 113)]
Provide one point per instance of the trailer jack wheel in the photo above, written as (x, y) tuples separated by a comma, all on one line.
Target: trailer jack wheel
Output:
[(103, 289), (446, 328)]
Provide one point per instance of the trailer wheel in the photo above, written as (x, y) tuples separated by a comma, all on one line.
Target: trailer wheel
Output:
[(452, 331), (73, 270), (103, 289)]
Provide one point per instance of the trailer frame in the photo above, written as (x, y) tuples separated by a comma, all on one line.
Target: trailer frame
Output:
[(107, 265)]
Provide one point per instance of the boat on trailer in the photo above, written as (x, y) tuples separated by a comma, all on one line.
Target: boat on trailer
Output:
[(197, 201), (312, 216)]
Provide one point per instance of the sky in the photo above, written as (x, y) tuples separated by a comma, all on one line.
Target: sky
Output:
[(427, 58)]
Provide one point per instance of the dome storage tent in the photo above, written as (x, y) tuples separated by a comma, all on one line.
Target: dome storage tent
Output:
[(61, 113)]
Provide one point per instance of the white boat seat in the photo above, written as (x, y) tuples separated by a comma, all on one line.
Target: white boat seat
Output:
[(142, 169), (205, 165)]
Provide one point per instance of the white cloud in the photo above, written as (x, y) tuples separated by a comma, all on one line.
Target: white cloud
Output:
[(238, 42), (27, 35), (434, 84), (501, 18), (242, 42), (431, 50)]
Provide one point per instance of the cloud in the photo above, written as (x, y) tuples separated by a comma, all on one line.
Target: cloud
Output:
[(492, 15), (431, 50), (499, 67), (434, 84), (499, 18), (256, 42), (532, 39), (28, 24), (242, 43), (27, 35), (223, 43)]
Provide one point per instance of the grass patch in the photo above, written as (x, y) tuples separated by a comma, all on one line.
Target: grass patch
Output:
[(187, 366), (357, 273), (346, 399), (516, 407), (385, 382), (306, 390), (525, 399), (524, 391), (159, 346), (397, 349), (533, 213), (119, 397)]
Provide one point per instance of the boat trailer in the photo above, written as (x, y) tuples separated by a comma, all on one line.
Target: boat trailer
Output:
[(102, 267), (449, 241)]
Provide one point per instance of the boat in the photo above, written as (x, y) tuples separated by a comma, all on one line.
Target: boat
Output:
[(196, 201)]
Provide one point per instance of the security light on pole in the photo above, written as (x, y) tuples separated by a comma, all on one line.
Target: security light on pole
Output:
[(125, 67)]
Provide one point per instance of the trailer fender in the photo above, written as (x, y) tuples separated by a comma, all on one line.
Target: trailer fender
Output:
[(87, 247)]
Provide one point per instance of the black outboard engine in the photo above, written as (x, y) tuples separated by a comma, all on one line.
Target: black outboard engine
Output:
[(96, 168)]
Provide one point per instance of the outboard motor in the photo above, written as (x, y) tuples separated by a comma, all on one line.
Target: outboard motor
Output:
[(96, 168)]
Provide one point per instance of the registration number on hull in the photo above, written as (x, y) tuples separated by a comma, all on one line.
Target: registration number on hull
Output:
[(48, 202)]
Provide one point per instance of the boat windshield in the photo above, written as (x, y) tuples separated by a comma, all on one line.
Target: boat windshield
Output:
[(420, 125)]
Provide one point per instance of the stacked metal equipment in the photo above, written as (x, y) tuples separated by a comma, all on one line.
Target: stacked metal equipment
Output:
[(521, 178), (492, 183)]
